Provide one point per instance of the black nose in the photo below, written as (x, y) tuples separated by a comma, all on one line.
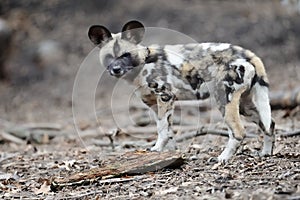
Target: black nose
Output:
[(116, 69)]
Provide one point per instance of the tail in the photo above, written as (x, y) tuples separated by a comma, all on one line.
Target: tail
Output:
[(260, 86)]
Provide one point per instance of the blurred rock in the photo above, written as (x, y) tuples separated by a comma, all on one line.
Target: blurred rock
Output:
[(292, 6), (46, 56), (48, 53)]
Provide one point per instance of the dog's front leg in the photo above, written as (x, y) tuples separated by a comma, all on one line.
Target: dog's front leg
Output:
[(165, 109)]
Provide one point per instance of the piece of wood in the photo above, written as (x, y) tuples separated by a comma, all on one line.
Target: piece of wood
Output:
[(12, 138), (34, 133), (153, 129), (205, 131), (130, 163), (48, 126), (290, 133), (200, 132), (285, 99)]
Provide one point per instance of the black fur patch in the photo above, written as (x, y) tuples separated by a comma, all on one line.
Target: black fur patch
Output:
[(151, 58), (169, 122), (262, 82), (241, 73), (198, 95), (152, 84), (259, 80), (229, 79), (134, 60), (203, 96), (228, 91), (195, 81), (166, 97), (166, 86)]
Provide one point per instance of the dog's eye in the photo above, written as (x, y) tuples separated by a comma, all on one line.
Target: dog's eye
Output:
[(108, 59), (125, 55)]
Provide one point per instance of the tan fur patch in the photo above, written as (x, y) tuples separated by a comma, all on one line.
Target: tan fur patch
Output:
[(258, 64), (232, 116), (149, 99), (260, 69), (187, 67), (164, 107)]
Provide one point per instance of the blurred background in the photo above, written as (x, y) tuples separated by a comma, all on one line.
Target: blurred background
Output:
[(43, 43)]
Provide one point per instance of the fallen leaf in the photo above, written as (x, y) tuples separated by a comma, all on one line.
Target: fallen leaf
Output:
[(167, 191), (44, 189), (278, 148)]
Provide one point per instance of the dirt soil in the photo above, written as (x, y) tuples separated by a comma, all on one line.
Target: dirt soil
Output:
[(36, 103)]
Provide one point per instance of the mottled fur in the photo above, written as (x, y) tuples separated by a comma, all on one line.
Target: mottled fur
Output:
[(235, 77)]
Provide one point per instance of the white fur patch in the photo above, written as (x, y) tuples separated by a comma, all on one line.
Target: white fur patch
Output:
[(261, 101), (267, 146), (173, 54), (205, 45), (220, 47), (229, 150), (215, 46), (163, 133)]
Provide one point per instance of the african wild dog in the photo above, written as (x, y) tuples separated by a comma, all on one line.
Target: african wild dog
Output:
[(235, 76)]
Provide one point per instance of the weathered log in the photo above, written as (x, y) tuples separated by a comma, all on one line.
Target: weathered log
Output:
[(36, 132), (12, 138), (130, 163), (285, 99), (290, 133)]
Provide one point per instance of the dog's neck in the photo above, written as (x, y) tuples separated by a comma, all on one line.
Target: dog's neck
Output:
[(148, 55), (154, 52)]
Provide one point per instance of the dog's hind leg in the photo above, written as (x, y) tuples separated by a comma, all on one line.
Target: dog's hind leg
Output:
[(262, 103)]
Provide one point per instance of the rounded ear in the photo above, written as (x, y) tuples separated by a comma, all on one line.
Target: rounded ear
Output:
[(133, 31), (99, 34)]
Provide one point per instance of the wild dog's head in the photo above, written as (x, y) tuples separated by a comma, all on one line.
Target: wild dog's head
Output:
[(120, 52)]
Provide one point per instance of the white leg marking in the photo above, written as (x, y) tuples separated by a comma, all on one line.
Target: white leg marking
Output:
[(230, 149), (262, 103), (174, 55), (268, 146), (163, 135)]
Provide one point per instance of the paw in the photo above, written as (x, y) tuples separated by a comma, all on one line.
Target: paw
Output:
[(156, 148), (267, 149), (265, 153), (229, 150), (224, 158), (171, 145)]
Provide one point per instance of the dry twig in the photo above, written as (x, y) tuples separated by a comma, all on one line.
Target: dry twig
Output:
[(285, 99), (290, 134)]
